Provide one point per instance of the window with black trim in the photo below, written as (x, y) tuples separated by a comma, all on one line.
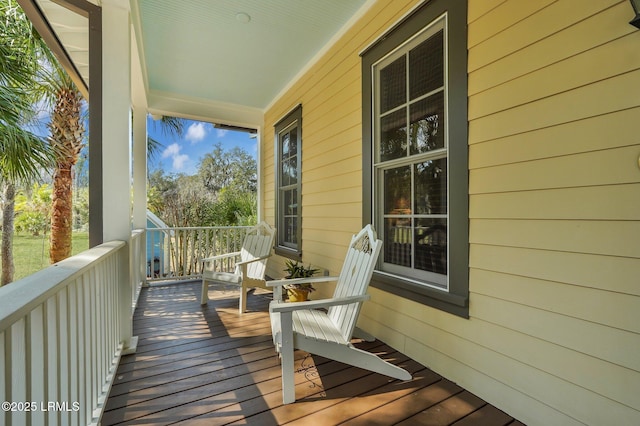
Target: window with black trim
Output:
[(415, 155), (288, 137)]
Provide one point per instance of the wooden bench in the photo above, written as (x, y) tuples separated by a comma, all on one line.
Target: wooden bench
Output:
[(249, 268), (301, 325)]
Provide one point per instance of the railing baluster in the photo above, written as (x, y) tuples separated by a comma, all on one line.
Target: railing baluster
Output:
[(102, 327), (18, 351), (90, 301), (84, 310), (73, 345), (4, 383), (52, 376), (97, 328), (63, 338), (60, 342), (179, 250), (37, 366)]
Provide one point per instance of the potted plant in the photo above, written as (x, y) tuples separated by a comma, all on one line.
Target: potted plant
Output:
[(298, 292)]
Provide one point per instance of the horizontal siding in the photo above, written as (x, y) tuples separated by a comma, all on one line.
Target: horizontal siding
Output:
[(616, 202), (554, 222), (609, 273), (613, 94), (331, 97), (553, 34), (579, 136), (479, 8), (577, 305), (588, 237), (562, 351), (585, 68), (512, 360), (609, 167), (502, 17), (553, 333)]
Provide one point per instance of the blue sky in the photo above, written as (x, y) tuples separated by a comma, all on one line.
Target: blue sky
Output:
[(182, 155)]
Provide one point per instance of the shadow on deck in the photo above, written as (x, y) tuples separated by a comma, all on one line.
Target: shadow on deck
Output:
[(208, 365)]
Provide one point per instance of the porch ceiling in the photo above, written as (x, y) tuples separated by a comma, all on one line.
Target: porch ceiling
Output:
[(238, 54)]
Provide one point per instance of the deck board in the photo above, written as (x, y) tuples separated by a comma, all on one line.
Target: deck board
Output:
[(211, 366)]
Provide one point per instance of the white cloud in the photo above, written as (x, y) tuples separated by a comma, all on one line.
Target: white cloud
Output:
[(221, 132), (196, 132), (171, 151), (178, 160)]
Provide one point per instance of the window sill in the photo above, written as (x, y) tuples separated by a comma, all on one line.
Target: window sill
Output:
[(455, 304), (289, 253)]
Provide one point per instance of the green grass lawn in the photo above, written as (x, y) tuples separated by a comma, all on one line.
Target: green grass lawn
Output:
[(31, 254)]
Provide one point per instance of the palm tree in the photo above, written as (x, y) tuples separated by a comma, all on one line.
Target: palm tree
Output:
[(66, 136), (22, 154), (50, 82)]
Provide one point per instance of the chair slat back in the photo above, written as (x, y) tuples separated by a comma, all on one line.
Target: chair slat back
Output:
[(354, 278), (257, 243)]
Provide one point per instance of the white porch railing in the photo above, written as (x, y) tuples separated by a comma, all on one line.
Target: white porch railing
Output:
[(138, 274), (174, 253), (60, 336), (62, 329)]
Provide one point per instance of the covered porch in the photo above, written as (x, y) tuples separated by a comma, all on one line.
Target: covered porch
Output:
[(542, 322), (60, 344), (208, 365)]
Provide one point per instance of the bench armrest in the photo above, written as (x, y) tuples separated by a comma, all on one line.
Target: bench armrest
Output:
[(256, 259), (316, 304), (306, 280), (220, 256)]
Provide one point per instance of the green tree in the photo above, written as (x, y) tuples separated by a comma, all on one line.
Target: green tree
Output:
[(222, 193), (22, 154), (81, 208), (234, 208), (232, 169), (187, 204), (159, 186), (33, 209)]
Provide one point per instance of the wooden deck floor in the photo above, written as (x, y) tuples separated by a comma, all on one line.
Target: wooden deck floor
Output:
[(210, 366)]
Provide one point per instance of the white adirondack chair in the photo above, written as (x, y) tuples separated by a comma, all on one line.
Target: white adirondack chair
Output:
[(301, 325), (250, 266)]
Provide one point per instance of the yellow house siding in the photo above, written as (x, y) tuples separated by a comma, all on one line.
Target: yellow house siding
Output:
[(499, 19), (554, 224), (552, 34), (553, 335), (579, 269), (584, 135), (331, 97)]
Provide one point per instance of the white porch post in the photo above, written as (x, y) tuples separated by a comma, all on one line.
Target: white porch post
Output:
[(116, 151), (139, 167), (139, 99), (140, 182)]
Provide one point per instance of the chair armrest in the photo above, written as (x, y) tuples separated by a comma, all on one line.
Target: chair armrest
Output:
[(220, 256), (316, 304), (306, 280), (244, 262)]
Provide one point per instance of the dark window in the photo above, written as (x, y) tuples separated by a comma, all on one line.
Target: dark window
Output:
[(288, 136), (415, 155)]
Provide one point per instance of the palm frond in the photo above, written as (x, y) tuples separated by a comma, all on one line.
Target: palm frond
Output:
[(172, 126), (23, 155), (154, 147), (169, 126)]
